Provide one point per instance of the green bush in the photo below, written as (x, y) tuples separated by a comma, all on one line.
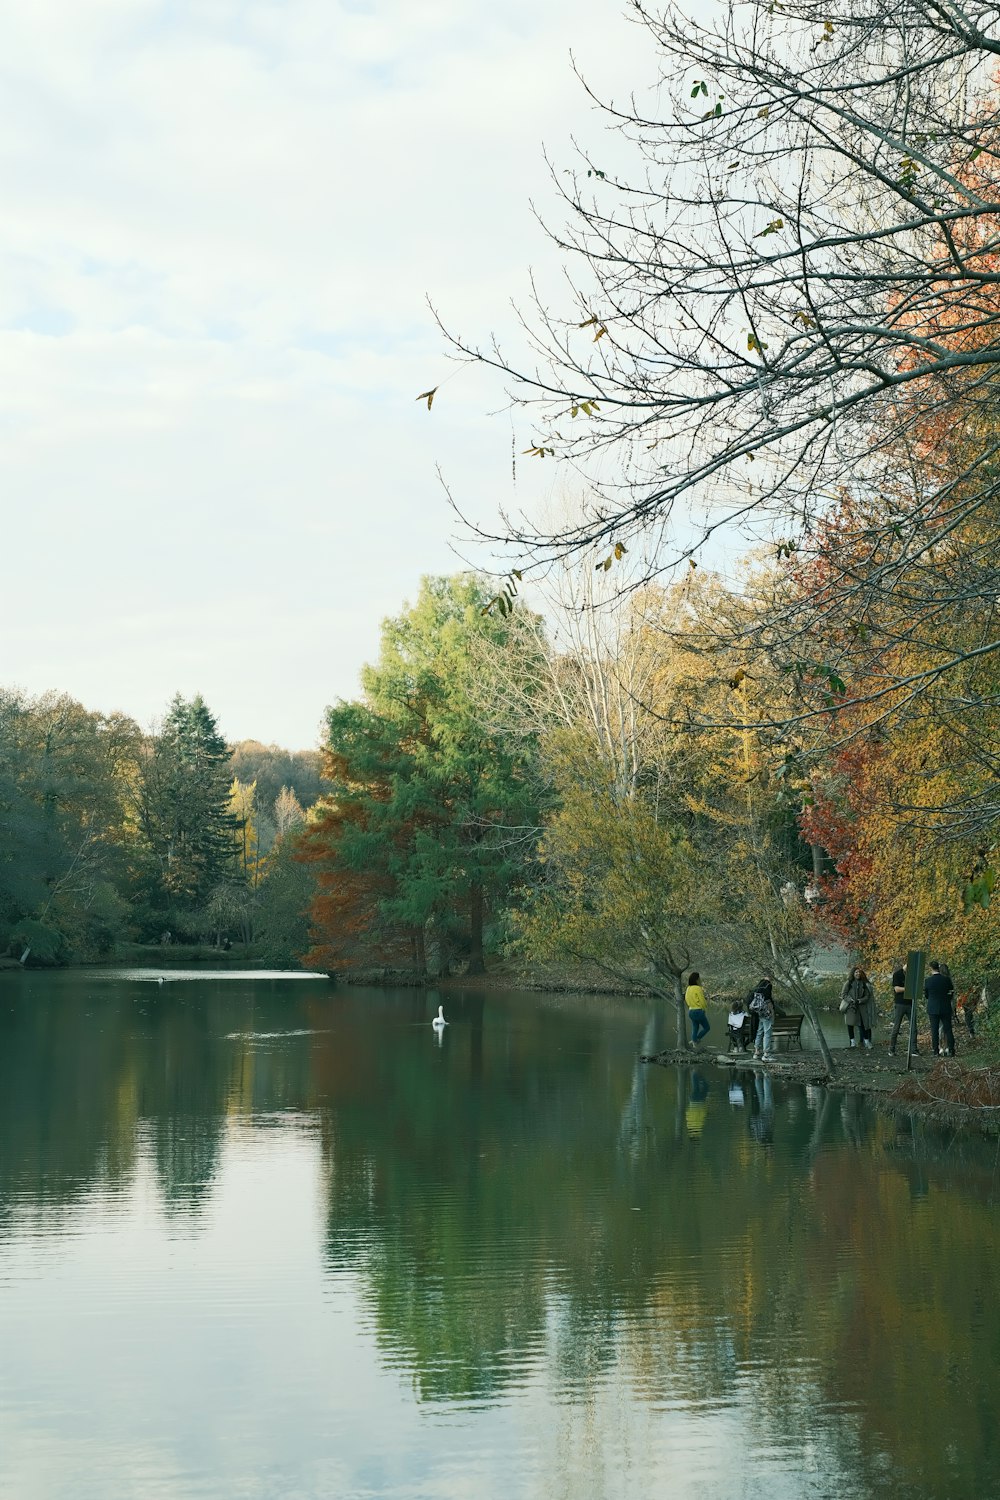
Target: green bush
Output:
[(46, 945)]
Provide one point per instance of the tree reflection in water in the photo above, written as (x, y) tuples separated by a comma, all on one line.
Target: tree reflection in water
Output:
[(525, 1208)]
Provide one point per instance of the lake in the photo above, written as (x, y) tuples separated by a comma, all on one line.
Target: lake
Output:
[(261, 1237)]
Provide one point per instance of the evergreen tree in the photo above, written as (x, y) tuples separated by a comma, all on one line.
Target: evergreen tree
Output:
[(186, 804)]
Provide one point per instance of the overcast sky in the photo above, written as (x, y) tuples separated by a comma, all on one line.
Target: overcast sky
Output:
[(222, 220)]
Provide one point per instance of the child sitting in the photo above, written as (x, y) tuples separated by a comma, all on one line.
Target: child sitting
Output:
[(738, 1022)]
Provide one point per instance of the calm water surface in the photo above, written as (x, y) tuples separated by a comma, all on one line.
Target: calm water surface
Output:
[(260, 1238)]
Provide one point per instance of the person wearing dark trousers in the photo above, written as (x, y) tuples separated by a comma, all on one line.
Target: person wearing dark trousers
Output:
[(763, 1007), (946, 974), (940, 993), (901, 1007), (764, 989)]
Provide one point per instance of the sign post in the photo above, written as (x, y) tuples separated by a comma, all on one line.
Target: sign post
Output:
[(916, 963)]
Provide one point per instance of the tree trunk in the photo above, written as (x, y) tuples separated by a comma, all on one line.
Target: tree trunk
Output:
[(817, 857), (809, 1011), (477, 962), (419, 951), (682, 1014)]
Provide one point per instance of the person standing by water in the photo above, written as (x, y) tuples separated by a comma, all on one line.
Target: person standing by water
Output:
[(952, 998), (765, 989), (857, 1005), (762, 1006), (940, 993), (694, 998), (901, 1007)]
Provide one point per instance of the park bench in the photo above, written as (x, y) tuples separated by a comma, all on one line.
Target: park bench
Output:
[(789, 1027)]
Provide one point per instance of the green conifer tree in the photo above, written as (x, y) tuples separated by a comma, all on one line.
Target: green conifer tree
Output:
[(187, 816)]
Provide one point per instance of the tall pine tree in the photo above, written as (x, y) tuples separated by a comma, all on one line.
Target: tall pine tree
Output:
[(186, 809)]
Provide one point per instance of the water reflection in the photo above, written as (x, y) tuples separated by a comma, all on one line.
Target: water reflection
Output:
[(605, 1277)]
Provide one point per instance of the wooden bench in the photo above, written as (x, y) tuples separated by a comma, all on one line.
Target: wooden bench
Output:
[(789, 1027)]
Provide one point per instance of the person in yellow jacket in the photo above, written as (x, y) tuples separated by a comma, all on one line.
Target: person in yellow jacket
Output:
[(694, 997)]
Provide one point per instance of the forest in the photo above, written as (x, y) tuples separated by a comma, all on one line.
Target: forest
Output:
[(115, 838), (624, 756), (617, 781), (609, 781)]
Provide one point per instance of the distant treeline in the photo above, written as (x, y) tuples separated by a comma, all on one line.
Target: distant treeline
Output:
[(114, 835)]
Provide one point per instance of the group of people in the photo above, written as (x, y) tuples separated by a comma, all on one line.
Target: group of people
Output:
[(857, 1005), (750, 1024)]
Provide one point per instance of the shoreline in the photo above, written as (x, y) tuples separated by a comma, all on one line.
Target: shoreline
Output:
[(953, 1090), (933, 1086)]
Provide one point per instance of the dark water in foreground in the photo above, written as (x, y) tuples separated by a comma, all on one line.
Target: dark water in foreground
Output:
[(264, 1239)]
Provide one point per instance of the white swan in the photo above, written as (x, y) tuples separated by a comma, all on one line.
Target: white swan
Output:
[(439, 1020)]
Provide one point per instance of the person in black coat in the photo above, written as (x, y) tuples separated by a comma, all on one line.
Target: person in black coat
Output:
[(940, 993), (900, 1005)]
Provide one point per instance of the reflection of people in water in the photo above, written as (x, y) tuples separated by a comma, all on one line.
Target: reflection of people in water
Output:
[(762, 1118), (694, 1115)]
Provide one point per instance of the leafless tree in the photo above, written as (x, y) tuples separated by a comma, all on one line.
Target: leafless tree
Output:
[(793, 299), (588, 665), (288, 812)]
